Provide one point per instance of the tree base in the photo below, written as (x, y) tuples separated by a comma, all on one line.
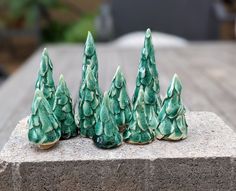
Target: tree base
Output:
[(46, 146)]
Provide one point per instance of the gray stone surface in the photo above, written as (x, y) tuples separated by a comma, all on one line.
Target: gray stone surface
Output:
[(204, 161)]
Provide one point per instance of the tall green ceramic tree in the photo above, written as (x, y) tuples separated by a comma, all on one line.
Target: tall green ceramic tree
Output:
[(107, 133), (147, 77), (89, 104), (141, 129), (63, 110), (90, 57), (45, 81), (44, 128), (172, 120), (119, 101)]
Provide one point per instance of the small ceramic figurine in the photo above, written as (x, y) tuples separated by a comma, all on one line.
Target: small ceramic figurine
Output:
[(172, 122), (45, 81), (107, 133), (44, 128), (119, 101), (146, 98), (148, 76), (63, 110), (89, 104), (142, 127)]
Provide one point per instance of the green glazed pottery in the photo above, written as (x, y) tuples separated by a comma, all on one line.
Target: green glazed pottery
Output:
[(107, 133), (119, 101), (63, 110), (45, 81), (44, 128), (172, 120)]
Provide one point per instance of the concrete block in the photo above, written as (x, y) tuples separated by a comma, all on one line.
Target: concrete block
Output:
[(206, 160)]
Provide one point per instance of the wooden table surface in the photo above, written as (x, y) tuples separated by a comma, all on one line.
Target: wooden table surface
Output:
[(207, 71)]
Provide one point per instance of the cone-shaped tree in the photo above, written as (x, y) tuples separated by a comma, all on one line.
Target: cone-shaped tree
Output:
[(172, 122), (45, 81), (44, 128), (89, 104), (90, 57), (119, 101), (148, 76), (141, 129), (62, 108), (107, 133)]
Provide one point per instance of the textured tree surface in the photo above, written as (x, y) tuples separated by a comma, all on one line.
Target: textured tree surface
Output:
[(119, 101), (147, 77), (144, 122), (172, 120), (63, 110), (44, 128), (89, 104), (107, 133), (90, 57), (45, 81)]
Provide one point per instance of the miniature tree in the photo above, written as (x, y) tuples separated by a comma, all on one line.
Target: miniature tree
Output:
[(172, 120), (89, 104), (62, 108), (90, 57), (44, 128), (45, 81), (148, 76), (142, 127), (107, 133), (119, 101)]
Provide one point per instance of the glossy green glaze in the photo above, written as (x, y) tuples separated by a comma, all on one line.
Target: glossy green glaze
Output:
[(90, 57), (107, 133), (45, 81), (172, 124), (44, 128), (63, 110), (119, 101), (147, 77), (142, 127), (89, 104)]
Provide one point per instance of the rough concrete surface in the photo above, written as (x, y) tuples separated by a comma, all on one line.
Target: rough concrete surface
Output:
[(206, 160)]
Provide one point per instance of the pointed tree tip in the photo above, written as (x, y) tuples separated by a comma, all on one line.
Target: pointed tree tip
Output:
[(176, 78), (89, 37), (61, 79), (148, 33), (45, 51)]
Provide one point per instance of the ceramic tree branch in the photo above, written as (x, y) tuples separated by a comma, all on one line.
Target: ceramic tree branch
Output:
[(63, 110), (44, 128), (45, 81), (172, 122)]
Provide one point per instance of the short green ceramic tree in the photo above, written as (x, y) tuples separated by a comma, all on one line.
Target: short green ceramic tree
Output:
[(141, 129), (90, 57), (89, 104), (147, 77), (44, 128), (107, 133), (63, 110), (45, 81), (172, 122), (119, 101)]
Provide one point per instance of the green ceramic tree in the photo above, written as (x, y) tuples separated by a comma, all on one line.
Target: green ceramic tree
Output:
[(148, 76), (107, 133), (89, 104), (141, 129), (172, 124), (45, 81), (62, 108), (44, 128), (119, 101), (90, 57)]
